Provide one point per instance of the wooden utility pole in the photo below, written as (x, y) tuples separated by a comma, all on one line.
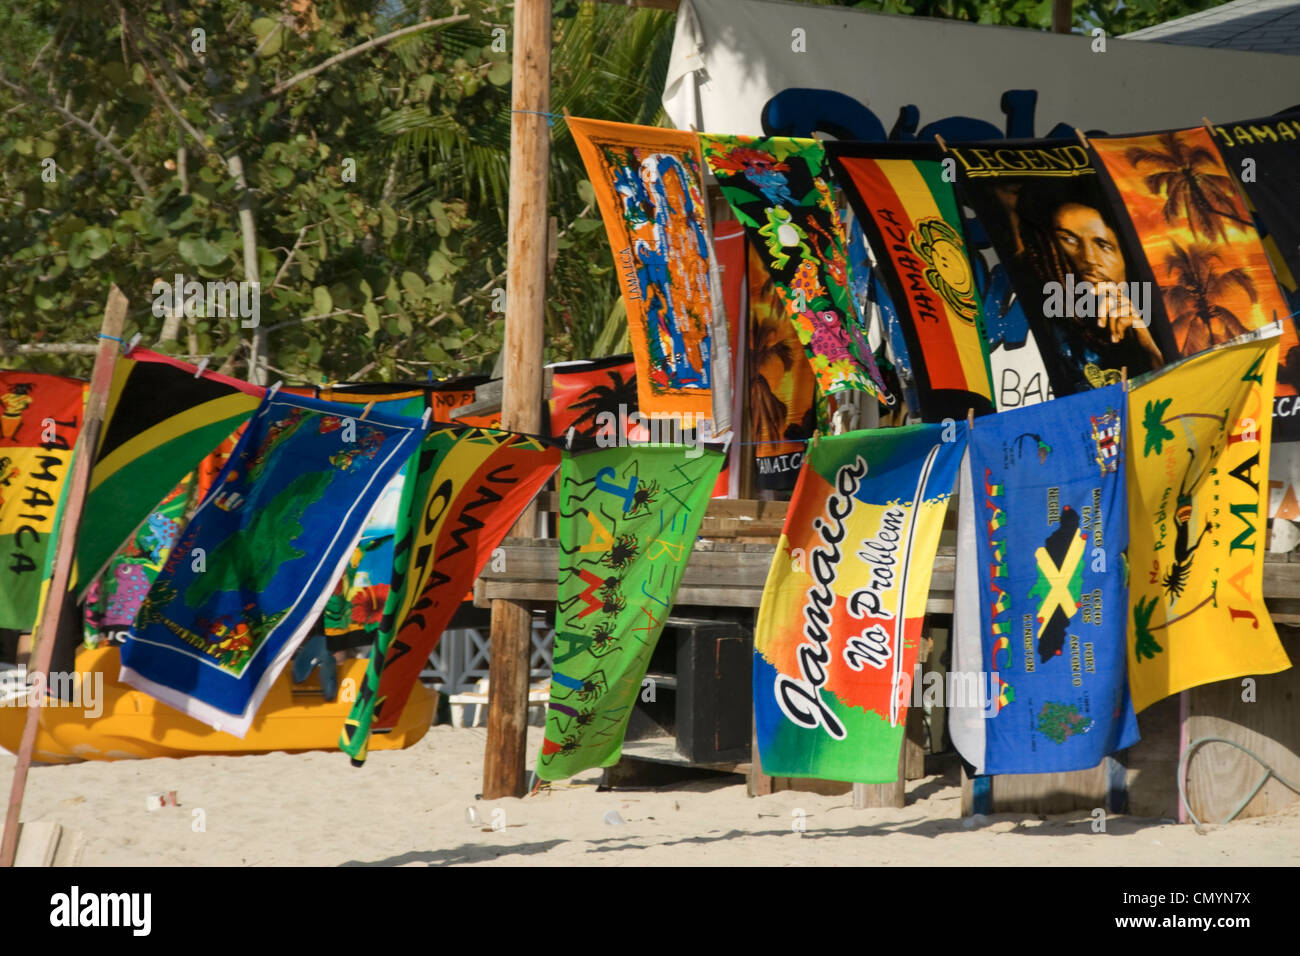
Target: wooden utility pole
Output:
[(66, 545), (521, 401), (1062, 15)]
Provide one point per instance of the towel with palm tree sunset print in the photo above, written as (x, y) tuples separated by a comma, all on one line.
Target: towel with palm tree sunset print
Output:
[(1200, 242)]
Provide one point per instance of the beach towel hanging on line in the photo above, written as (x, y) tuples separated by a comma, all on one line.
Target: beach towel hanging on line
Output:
[(1198, 448), (911, 218), (160, 422), (628, 522), (778, 189), (839, 628), (1038, 682), (40, 419), (648, 185), (464, 493), (259, 558)]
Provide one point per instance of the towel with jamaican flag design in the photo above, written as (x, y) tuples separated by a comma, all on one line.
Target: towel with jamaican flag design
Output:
[(628, 522), (254, 566), (840, 624), (778, 189), (1050, 528), (910, 215), (465, 491), (40, 419), (160, 422)]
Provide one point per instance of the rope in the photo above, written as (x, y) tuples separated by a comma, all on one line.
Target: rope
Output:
[(550, 117), (1268, 772)]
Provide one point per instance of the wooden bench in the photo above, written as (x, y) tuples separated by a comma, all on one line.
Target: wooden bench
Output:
[(730, 563)]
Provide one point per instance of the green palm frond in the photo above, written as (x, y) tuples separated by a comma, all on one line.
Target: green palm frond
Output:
[(606, 63), (1157, 433)]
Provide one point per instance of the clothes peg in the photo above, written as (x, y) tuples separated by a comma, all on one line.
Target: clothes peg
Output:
[(1082, 139), (135, 340), (970, 418), (942, 145), (203, 364), (366, 411)]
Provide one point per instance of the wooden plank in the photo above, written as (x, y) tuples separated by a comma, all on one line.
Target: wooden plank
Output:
[(745, 567), (664, 750), (544, 592), (521, 406), (870, 796), (1220, 776), (1050, 792), (827, 788), (760, 784), (1153, 763), (487, 397), (101, 380), (914, 744), (38, 842)]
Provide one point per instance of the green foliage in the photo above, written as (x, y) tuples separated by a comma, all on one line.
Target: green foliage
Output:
[(607, 63), (377, 187)]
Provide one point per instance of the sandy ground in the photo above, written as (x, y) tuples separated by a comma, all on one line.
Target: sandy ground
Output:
[(410, 808)]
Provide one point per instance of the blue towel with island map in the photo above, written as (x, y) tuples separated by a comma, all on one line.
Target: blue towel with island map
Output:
[(250, 574), (1050, 528)]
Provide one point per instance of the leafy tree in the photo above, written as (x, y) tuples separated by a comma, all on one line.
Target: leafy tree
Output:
[(347, 155), (359, 173)]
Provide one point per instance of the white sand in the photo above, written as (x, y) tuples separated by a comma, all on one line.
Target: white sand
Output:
[(409, 807)]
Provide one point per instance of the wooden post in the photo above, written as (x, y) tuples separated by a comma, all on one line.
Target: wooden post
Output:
[(521, 401), (869, 796), (1062, 15), (78, 481)]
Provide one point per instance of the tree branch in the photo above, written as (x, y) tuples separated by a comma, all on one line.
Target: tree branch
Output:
[(153, 81), (74, 118), (359, 49), (289, 258), (312, 318), (8, 348)]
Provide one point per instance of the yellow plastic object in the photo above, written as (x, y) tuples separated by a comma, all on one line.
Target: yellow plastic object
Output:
[(132, 725)]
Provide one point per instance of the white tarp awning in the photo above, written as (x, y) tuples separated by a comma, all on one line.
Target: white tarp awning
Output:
[(730, 57)]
